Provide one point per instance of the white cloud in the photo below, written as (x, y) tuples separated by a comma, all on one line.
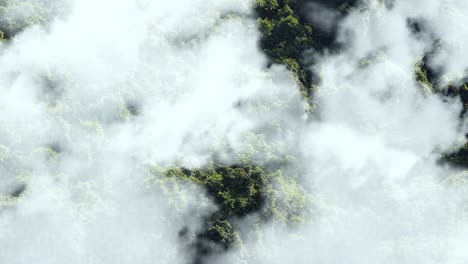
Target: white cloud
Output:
[(370, 160)]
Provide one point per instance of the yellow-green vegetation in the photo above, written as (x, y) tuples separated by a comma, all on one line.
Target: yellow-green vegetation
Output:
[(429, 78), (16, 15), (421, 76), (285, 37), (260, 185), (241, 189), (236, 188)]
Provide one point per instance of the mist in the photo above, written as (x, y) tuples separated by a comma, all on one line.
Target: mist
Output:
[(104, 95)]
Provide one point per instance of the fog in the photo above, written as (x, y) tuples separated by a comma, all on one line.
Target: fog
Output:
[(105, 93)]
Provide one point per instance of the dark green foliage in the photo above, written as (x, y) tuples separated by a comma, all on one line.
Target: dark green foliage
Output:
[(429, 77), (240, 190), (283, 35), (461, 92), (287, 35), (421, 75), (285, 38), (459, 157), (236, 188), (464, 97), (326, 38), (17, 15), (342, 6), (267, 8)]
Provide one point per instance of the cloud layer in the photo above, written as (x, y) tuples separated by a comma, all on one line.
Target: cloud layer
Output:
[(95, 98)]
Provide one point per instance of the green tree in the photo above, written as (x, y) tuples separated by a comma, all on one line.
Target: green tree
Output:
[(285, 38)]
